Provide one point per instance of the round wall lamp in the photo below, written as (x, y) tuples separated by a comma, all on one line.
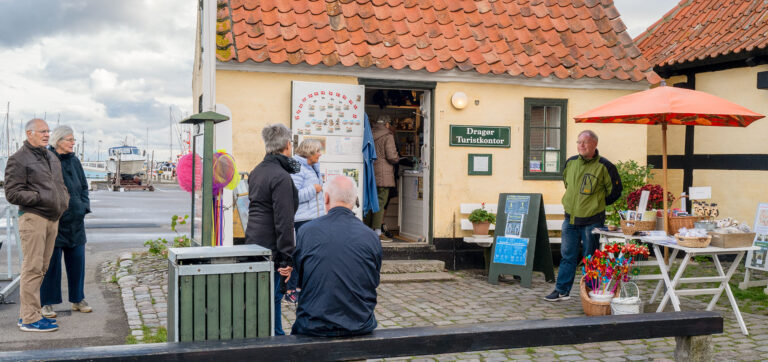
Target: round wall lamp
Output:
[(459, 100)]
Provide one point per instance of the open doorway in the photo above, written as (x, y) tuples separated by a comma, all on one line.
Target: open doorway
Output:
[(406, 217)]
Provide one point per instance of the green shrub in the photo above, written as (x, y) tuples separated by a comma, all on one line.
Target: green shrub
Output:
[(159, 246), (633, 176)]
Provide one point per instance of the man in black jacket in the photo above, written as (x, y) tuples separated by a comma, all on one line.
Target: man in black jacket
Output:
[(33, 181), (338, 260), (273, 203)]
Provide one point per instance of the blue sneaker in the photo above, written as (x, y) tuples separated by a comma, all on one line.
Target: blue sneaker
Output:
[(51, 321), (40, 326)]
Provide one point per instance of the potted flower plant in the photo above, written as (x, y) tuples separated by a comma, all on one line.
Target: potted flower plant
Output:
[(655, 199), (604, 271), (481, 220)]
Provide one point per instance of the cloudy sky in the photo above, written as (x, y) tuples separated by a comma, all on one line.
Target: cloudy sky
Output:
[(113, 69)]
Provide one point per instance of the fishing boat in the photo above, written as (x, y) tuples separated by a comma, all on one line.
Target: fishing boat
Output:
[(130, 159)]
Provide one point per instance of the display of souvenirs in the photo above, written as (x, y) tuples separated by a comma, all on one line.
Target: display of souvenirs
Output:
[(705, 209)]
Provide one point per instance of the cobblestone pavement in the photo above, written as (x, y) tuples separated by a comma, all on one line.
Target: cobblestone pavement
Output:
[(468, 300)]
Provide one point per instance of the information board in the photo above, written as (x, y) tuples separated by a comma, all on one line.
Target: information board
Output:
[(521, 239), (757, 259)]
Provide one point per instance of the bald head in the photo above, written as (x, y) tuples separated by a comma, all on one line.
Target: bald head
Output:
[(37, 132), (340, 191)]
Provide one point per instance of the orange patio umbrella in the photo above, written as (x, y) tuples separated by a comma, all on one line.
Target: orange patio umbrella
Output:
[(670, 105)]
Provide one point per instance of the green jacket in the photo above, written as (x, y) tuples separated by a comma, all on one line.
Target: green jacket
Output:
[(590, 185)]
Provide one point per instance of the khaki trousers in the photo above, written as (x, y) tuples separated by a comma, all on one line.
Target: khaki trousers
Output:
[(38, 237)]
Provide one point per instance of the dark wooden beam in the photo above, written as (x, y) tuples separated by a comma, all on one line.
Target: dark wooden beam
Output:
[(743, 162), (404, 341)]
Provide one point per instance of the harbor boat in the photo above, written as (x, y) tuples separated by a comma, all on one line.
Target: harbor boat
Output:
[(95, 169), (131, 161)]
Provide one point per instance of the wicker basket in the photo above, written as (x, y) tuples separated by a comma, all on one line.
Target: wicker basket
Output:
[(592, 308), (676, 222), (693, 241), (633, 226)]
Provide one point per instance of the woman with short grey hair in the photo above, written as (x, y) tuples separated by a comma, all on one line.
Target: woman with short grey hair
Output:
[(273, 203), (70, 239)]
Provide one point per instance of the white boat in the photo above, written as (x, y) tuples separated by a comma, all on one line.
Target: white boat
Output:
[(95, 169), (130, 158)]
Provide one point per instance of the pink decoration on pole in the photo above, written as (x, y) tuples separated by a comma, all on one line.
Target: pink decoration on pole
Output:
[(184, 172)]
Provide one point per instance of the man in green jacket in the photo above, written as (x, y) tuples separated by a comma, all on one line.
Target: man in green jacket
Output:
[(591, 183)]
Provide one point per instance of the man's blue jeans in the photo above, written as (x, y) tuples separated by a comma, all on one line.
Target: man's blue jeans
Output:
[(575, 237)]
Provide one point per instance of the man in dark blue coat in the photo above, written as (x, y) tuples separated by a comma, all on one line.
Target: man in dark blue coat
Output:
[(338, 260)]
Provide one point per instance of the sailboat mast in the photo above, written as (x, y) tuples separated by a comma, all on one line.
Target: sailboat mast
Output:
[(8, 130), (170, 134)]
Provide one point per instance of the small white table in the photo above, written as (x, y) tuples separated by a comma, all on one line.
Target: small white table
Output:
[(672, 294)]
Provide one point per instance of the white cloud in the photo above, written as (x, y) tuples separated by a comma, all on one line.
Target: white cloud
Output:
[(110, 69)]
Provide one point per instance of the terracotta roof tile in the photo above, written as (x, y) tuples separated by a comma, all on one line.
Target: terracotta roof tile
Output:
[(701, 29), (535, 38)]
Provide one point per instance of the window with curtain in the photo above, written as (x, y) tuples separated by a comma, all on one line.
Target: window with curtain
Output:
[(545, 133)]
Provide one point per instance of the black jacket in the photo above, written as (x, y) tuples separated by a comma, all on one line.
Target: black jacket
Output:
[(273, 202), (33, 181), (72, 223)]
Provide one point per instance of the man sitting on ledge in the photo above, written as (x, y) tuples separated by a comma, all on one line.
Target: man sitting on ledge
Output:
[(338, 260)]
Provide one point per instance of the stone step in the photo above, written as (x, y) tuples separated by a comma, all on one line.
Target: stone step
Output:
[(411, 266), (418, 277)]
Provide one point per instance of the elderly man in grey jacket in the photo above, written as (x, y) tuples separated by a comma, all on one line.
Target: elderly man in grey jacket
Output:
[(33, 181)]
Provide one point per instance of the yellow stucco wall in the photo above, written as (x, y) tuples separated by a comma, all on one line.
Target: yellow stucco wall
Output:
[(736, 192), (256, 99), (503, 105)]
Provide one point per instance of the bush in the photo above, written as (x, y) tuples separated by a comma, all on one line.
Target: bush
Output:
[(482, 215), (159, 246), (633, 176)]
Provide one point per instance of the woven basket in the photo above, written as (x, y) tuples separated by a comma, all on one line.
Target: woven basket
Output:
[(676, 222), (633, 226), (693, 241), (592, 308)]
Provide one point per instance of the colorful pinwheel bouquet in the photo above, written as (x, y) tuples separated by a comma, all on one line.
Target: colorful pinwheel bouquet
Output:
[(605, 269)]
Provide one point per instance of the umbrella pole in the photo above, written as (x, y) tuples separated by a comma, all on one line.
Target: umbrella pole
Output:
[(664, 170)]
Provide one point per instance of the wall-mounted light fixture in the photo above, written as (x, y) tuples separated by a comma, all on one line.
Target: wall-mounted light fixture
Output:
[(459, 100)]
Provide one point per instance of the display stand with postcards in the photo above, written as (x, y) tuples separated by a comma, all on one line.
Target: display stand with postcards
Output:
[(756, 260)]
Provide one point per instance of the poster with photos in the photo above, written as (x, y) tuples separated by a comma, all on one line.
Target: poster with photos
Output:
[(327, 109), (329, 170), (757, 259)]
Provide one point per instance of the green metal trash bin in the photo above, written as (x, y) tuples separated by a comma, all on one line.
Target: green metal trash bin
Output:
[(223, 292)]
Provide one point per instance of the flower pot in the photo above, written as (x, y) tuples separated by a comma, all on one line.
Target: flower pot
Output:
[(480, 228)]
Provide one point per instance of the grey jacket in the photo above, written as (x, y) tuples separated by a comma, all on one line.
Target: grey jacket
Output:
[(33, 181)]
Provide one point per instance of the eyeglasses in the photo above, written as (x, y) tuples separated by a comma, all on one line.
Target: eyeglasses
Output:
[(69, 139), (47, 131)]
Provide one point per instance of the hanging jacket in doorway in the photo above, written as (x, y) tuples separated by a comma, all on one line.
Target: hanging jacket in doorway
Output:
[(590, 185), (386, 156)]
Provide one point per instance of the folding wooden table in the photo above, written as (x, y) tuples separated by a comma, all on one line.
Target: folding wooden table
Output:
[(672, 293)]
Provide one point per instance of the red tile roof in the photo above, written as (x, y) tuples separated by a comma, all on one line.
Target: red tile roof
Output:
[(698, 29), (560, 38)]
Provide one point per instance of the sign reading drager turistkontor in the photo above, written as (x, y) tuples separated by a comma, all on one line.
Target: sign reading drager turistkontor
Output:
[(480, 136)]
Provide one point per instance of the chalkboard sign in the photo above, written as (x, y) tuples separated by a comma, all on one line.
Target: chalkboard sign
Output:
[(521, 240)]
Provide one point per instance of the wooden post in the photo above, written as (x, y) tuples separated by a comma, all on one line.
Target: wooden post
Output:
[(207, 227), (664, 191), (693, 348)]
